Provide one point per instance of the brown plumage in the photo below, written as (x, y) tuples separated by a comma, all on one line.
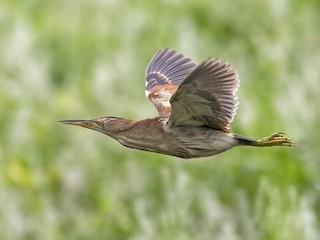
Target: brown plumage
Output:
[(196, 104)]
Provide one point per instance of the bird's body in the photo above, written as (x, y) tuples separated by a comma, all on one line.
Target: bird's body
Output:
[(196, 104), (181, 141)]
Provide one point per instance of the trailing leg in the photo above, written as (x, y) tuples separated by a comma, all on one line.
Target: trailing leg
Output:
[(276, 139)]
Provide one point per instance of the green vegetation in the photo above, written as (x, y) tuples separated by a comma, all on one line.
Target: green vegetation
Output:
[(84, 59)]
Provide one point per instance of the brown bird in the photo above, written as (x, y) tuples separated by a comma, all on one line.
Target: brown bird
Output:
[(196, 104)]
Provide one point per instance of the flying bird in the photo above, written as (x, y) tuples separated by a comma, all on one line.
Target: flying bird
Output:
[(196, 104)]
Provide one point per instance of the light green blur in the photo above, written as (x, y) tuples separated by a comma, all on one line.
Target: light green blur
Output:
[(85, 59)]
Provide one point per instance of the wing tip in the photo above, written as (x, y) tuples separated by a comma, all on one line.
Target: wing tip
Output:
[(168, 67)]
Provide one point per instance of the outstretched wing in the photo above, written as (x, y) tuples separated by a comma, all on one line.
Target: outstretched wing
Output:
[(207, 97), (164, 74)]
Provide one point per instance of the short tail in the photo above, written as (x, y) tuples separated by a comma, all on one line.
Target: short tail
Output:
[(277, 139)]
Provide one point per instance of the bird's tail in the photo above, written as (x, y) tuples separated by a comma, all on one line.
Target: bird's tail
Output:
[(276, 139)]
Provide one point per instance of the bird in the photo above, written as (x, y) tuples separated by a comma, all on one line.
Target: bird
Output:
[(196, 104)]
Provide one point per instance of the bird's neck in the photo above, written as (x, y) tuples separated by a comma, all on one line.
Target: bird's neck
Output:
[(120, 126), (133, 129), (144, 134)]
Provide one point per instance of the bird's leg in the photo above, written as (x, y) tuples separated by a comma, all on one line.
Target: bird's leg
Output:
[(276, 139)]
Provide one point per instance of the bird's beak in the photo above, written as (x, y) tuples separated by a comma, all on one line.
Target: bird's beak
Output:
[(82, 123)]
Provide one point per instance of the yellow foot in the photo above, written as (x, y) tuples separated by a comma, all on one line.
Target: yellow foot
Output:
[(276, 139)]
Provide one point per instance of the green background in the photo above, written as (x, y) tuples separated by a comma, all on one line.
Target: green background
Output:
[(84, 59)]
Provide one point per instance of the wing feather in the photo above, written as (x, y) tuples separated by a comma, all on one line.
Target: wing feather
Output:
[(207, 97), (164, 74)]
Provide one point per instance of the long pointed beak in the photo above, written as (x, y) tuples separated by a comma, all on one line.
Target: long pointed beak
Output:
[(82, 123)]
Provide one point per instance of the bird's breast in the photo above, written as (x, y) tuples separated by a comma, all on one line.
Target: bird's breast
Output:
[(160, 142)]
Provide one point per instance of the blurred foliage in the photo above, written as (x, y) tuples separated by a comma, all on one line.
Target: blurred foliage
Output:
[(83, 59)]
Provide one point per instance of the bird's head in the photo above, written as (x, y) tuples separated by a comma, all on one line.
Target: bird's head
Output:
[(106, 125)]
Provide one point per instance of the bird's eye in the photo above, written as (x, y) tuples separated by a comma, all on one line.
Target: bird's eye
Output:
[(101, 123)]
